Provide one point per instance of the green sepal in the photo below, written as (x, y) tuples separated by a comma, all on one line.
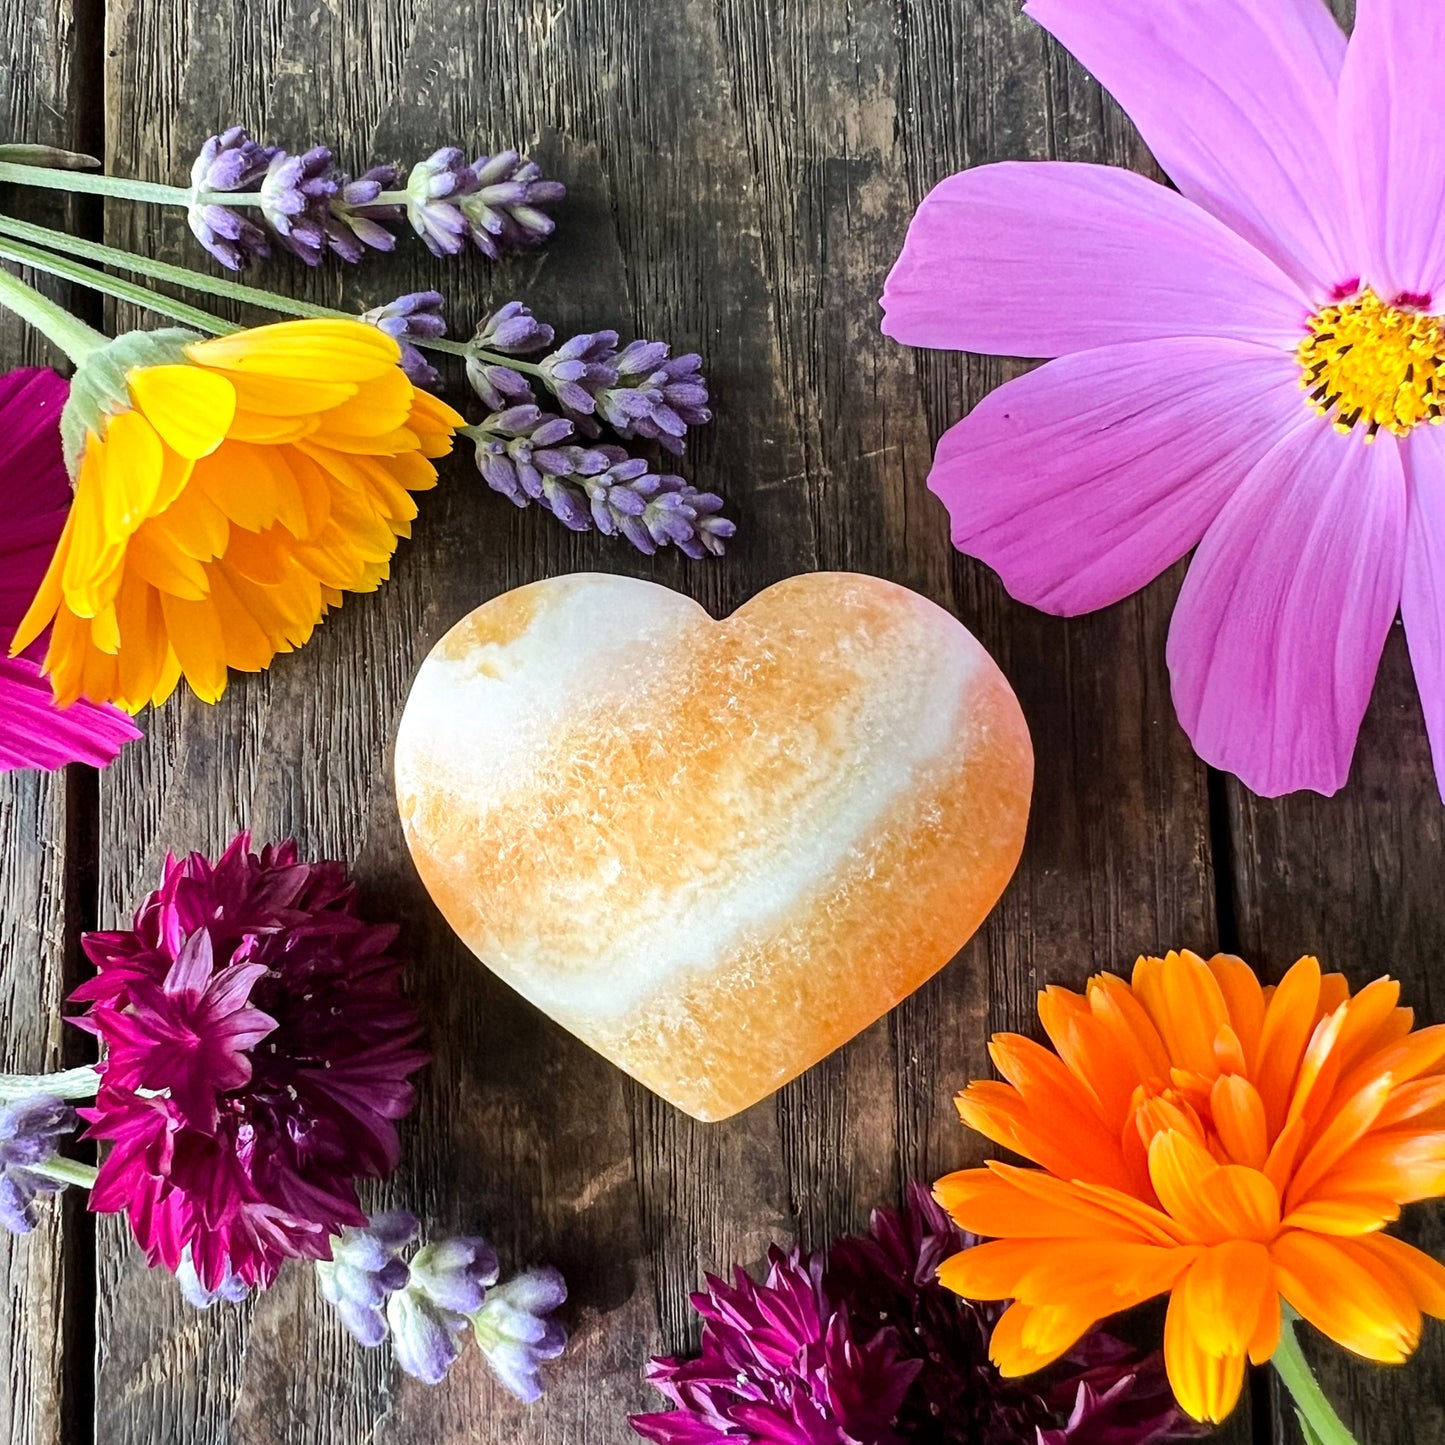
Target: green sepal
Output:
[(51, 157), (99, 389)]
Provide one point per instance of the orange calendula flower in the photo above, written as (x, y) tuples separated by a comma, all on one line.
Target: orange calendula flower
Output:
[(1227, 1143), (227, 493)]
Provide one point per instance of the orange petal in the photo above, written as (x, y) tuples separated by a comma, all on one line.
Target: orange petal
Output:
[(1244, 998), (1289, 1021), (1238, 1114), (1349, 1125), (1178, 1167), (1242, 1202), (1224, 1295), (1329, 1283), (1423, 1276), (1342, 1216), (1206, 1386), (1028, 1337), (1184, 1000)]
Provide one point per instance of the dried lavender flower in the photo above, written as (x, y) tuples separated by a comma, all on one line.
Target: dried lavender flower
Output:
[(424, 1336), (30, 1133), (433, 189), (579, 369), (413, 317), (355, 221), (510, 331), (456, 1273), (517, 1333), (296, 198), (365, 1270), (656, 396), (503, 210), (233, 1289), (231, 161)]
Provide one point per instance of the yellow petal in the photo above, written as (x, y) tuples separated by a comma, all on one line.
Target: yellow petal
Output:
[(1207, 1386), (191, 408)]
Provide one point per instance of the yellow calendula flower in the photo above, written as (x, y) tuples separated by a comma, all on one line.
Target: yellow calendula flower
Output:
[(227, 493)]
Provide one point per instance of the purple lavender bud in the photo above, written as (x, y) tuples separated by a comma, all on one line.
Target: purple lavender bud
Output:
[(296, 201), (233, 1289), (356, 220), (516, 1332), (434, 188), (579, 369), (423, 1335), (30, 1134), (655, 398), (413, 317), (231, 161), (365, 1271), (456, 1273), (514, 331), (503, 209)]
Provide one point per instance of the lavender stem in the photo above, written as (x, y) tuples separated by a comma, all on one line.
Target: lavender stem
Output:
[(66, 1171), (78, 1083), (117, 186)]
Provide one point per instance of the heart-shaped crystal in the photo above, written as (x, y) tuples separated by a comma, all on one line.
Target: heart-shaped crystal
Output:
[(713, 850)]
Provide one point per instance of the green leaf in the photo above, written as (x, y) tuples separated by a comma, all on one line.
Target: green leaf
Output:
[(1311, 1435)]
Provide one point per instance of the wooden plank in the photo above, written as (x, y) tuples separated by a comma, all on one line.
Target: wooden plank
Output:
[(742, 176), (1356, 879), (45, 1341)]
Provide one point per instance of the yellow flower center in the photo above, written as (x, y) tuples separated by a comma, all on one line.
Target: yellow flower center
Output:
[(1369, 363)]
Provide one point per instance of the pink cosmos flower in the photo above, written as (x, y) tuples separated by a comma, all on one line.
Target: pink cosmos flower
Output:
[(257, 1051), (1253, 365), (35, 488)]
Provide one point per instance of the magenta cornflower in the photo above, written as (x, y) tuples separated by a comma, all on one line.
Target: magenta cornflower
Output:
[(34, 733), (1253, 365), (256, 1057)]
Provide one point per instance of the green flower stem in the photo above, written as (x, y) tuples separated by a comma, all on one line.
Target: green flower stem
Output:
[(66, 1171), (78, 1083), (197, 281), (117, 186), (69, 333), (109, 286), (1318, 1420)]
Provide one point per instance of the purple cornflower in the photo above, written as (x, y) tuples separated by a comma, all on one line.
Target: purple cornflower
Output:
[(413, 317), (231, 161), (510, 331), (516, 1331), (296, 200), (503, 210), (655, 396), (524, 453), (365, 1270), (30, 1133), (779, 1361), (355, 219), (1103, 1393)]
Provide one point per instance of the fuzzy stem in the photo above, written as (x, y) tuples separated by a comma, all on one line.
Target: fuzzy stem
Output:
[(69, 333), (390, 198), (117, 186), (109, 286), (66, 1171), (78, 1083), (1317, 1416)]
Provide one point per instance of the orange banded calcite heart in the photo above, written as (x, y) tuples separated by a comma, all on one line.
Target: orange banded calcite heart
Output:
[(713, 850)]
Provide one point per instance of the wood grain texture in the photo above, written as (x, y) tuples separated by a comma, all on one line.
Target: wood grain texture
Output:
[(741, 177), (44, 1335)]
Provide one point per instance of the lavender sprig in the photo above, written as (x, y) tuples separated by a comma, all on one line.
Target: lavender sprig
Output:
[(365, 1270), (229, 162), (30, 1134), (410, 318), (525, 454)]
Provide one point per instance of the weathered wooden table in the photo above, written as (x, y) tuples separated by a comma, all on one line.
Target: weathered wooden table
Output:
[(741, 174)]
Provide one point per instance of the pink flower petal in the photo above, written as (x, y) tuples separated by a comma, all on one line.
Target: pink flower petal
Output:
[(1236, 99), (1081, 481), (34, 733), (1035, 258), (1392, 96), (1422, 601), (1279, 628)]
